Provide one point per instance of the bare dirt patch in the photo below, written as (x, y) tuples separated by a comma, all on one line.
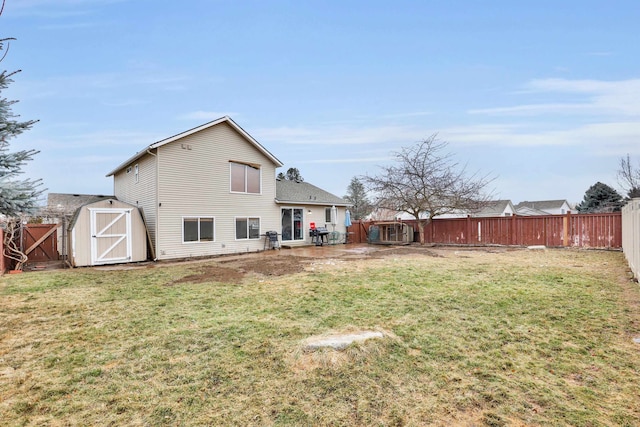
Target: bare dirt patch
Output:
[(277, 266), (212, 273), (235, 270), (406, 250)]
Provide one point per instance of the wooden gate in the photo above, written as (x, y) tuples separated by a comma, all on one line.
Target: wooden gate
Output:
[(40, 242)]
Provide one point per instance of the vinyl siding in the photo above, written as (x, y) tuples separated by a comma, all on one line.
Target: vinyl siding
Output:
[(194, 180), (142, 193)]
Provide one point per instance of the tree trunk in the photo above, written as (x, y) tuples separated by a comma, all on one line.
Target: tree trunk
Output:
[(421, 225)]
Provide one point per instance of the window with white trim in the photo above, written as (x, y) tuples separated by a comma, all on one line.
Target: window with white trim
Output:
[(247, 228), (245, 178), (136, 173), (198, 229)]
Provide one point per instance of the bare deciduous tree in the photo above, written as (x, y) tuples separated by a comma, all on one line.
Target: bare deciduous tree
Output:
[(629, 177), (426, 182)]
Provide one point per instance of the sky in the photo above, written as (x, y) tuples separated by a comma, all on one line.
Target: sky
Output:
[(543, 96)]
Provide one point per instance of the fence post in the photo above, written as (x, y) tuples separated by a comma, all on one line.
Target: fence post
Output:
[(566, 221), (2, 265)]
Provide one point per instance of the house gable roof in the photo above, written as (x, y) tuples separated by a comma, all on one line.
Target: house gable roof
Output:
[(297, 192), (225, 119), (496, 207), (543, 204), (527, 211)]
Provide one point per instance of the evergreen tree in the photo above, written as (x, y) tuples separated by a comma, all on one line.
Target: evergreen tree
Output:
[(357, 196), (293, 174), (16, 195), (600, 198)]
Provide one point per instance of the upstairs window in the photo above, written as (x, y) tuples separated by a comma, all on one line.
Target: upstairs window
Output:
[(245, 178)]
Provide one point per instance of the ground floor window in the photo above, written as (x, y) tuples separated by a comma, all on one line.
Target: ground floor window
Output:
[(197, 229), (327, 215), (247, 228), (291, 221)]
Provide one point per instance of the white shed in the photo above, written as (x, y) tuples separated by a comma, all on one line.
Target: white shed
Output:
[(107, 232)]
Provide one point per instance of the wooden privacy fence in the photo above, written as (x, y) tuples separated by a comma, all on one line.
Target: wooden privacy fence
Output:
[(583, 230), (3, 259), (38, 242), (631, 234)]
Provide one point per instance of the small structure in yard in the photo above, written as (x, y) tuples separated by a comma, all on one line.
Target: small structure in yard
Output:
[(107, 232), (340, 341), (391, 233), (61, 207)]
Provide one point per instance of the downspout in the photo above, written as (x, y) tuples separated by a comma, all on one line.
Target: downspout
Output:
[(157, 207)]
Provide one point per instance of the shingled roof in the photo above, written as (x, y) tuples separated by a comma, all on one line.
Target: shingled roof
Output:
[(495, 208), (69, 203), (300, 192), (542, 204)]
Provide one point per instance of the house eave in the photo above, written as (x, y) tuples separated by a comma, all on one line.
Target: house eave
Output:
[(312, 203)]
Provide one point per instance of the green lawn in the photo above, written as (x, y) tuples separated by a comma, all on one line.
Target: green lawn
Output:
[(472, 338)]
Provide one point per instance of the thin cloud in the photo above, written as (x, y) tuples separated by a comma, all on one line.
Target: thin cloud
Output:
[(536, 109), (56, 8), (401, 115), (343, 136), (88, 85), (95, 140), (348, 160), (70, 26), (206, 115), (597, 138), (600, 97)]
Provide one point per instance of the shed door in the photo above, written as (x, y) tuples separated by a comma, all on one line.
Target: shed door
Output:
[(110, 236)]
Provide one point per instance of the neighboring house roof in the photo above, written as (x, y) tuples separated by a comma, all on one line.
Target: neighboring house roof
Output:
[(69, 203), (496, 208), (492, 208), (527, 211), (304, 193), (225, 119), (543, 205)]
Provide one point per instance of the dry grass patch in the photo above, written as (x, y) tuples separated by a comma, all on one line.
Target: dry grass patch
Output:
[(477, 338)]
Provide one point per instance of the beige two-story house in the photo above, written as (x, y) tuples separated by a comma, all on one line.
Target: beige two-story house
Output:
[(207, 191), (212, 190)]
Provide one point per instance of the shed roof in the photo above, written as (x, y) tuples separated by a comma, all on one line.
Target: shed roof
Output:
[(300, 192), (225, 119)]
